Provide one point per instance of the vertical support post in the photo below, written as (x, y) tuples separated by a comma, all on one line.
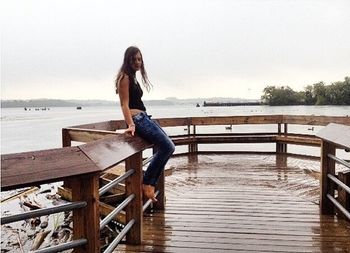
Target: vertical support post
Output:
[(134, 209), (194, 145), (285, 132), (327, 167), (66, 141), (278, 144), (160, 204), (343, 196), (86, 221)]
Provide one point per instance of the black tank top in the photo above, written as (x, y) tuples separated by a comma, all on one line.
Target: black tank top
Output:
[(135, 95)]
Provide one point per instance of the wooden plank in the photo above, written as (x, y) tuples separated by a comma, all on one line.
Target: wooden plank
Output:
[(296, 140), (337, 134), (134, 209), (237, 120), (104, 126), (86, 221), (113, 149), (343, 196), (47, 165), (104, 208), (315, 120), (87, 135)]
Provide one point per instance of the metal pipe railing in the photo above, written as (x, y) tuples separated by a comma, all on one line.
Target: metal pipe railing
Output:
[(117, 210), (339, 183), (148, 202), (120, 236), (116, 181), (338, 160), (62, 247), (339, 206), (42, 212)]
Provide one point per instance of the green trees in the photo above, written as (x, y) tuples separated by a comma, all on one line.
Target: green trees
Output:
[(337, 93)]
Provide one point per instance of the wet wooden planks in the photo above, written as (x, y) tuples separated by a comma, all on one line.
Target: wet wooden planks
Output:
[(241, 203)]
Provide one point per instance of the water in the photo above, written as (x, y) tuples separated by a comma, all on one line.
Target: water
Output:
[(36, 130)]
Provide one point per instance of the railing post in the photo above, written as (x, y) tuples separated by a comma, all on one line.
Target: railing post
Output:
[(134, 209), (285, 132), (160, 204), (343, 196), (278, 144), (193, 147), (327, 167), (86, 221), (66, 141)]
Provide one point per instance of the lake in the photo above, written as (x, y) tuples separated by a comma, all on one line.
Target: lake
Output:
[(41, 129)]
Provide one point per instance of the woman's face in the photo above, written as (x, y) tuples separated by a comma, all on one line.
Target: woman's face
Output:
[(136, 62)]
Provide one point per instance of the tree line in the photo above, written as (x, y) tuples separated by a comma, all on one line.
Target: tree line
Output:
[(337, 93)]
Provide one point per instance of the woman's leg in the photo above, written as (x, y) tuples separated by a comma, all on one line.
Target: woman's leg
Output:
[(164, 147)]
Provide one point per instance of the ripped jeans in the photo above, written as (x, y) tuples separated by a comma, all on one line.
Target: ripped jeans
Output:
[(163, 146)]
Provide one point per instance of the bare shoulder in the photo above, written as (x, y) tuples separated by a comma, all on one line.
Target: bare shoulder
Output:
[(123, 80)]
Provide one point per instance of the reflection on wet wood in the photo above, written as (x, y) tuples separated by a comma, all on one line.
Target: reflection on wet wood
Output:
[(242, 203)]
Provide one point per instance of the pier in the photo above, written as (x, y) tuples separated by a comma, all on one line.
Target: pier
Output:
[(209, 200)]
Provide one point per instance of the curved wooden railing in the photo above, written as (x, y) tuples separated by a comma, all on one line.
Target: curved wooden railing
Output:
[(79, 167), (334, 137), (194, 135)]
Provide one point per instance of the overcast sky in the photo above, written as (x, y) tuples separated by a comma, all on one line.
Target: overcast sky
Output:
[(73, 49)]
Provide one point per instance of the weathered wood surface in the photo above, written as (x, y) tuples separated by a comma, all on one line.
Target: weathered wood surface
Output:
[(104, 209), (336, 134), (86, 221), (315, 120), (85, 135), (111, 150), (224, 120), (22, 169), (242, 203)]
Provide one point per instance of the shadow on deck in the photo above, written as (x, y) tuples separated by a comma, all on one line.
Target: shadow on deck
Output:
[(242, 203)]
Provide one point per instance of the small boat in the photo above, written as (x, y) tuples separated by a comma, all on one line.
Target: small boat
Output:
[(197, 105), (78, 107)]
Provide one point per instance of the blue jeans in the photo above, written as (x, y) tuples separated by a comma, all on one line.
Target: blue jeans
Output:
[(163, 146)]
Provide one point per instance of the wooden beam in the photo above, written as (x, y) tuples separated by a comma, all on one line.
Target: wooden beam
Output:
[(134, 210), (343, 196), (327, 167), (86, 221)]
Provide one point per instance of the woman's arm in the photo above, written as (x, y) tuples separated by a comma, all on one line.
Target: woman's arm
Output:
[(123, 88)]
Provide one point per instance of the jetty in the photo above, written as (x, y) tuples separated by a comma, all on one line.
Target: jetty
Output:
[(230, 103), (209, 200)]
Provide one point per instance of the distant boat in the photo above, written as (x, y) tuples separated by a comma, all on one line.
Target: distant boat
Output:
[(197, 105), (78, 107)]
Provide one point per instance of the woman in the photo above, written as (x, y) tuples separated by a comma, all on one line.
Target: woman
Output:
[(137, 120)]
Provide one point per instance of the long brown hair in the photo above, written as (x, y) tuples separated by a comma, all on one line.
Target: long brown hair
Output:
[(127, 69)]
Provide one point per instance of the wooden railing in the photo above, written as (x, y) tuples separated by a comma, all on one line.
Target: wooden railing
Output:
[(80, 168), (334, 137), (280, 136)]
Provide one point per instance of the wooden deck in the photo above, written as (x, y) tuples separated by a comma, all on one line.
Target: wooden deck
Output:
[(242, 203)]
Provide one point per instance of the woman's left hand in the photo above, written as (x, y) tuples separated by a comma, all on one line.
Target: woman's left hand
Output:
[(130, 129)]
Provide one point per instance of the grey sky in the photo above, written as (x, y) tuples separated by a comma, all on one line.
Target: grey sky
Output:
[(204, 48)]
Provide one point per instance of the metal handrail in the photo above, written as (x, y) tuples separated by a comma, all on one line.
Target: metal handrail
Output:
[(339, 160), (339, 183), (120, 236), (117, 210), (62, 247), (339, 206), (42, 212), (148, 202), (116, 181)]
